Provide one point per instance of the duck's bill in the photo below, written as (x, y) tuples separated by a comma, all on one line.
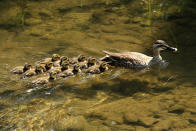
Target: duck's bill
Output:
[(172, 49)]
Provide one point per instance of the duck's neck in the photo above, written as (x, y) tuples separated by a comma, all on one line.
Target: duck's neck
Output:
[(156, 55)]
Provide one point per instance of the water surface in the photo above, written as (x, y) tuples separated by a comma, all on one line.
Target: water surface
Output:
[(119, 99)]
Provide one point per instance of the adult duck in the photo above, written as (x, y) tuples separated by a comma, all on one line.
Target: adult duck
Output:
[(136, 60)]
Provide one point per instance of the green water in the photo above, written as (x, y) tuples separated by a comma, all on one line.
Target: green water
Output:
[(120, 99)]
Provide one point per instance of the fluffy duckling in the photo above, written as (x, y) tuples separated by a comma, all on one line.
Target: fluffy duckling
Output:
[(97, 69), (70, 72), (38, 69), (45, 80), (87, 63), (55, 57), (91, 62), (80, 58), (21, 69), (47, 66), (64, 66), (59, 62)]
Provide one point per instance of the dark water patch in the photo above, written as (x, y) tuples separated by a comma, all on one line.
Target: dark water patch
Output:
[(177, 111), (124, 87), (7, 93), (163, 89)]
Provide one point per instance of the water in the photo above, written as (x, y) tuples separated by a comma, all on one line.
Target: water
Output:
[(120, 99)]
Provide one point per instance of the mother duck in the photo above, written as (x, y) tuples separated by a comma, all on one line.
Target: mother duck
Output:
[(136, 60)]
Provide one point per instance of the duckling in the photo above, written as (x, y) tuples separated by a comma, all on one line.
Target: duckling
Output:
[(55, 57), (91, 62), (87, 63), (59, 62), (70, 72), (45, 80), (47, 66), (38, 69), (80, 58), (64, 66), (21, 69), (97, 69)]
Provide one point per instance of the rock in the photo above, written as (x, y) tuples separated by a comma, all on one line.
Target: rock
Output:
[(141, 128), (137, 19), (170, 123), (131, 118), (173, 11), (179, 124), (147, 121), (103, 128), (45, 13), (162, 125), (77, 123), (177, 109), (192, 120), (11, 16), (32, 21)]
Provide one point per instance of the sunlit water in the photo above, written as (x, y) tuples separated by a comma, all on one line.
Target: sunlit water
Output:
[(96, 102)]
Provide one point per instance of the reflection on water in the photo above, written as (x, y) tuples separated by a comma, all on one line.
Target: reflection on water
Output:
[(120, 99)]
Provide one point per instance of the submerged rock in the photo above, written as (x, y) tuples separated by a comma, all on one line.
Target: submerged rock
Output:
[(77, 123)]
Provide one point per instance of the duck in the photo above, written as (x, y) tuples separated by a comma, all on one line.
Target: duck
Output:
[(55, 57), (59, 62), (70, 72), (97, 69), (45, 80), (80, 58), (136, 60), (87, 63), (64, 66), (38, 69), (47, 66), (21, 69)]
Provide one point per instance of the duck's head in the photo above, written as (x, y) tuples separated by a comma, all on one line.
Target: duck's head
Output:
[(63, 58), (27, 66), (39, 69), (49, 65), (81, 58), (55, 57), (160, 45), (52, 75), (65, 65)]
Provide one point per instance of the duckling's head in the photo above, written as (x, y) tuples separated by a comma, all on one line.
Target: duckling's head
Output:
[(103, 66), (65, 65), (49, 65), (63, 58), (91, 61), (52, 75), (39, 69), (81, 58), (27, 66), (76, 67), (162, 45), (55, 57)]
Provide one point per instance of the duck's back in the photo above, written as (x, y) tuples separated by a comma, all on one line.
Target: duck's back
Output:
[(128, 59)]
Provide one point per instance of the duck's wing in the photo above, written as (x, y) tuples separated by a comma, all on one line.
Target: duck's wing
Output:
[(127, 59)]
